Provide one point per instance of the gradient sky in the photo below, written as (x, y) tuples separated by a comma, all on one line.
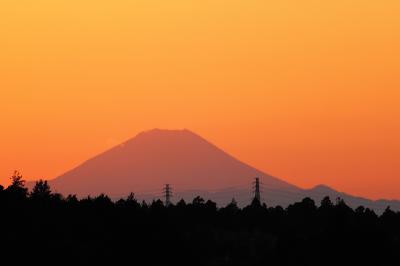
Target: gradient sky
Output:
[(308, 91)]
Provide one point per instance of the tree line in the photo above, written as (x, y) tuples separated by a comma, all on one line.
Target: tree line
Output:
[(40, 226)]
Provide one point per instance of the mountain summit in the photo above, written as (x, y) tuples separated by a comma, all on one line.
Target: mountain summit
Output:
[(193, 166)]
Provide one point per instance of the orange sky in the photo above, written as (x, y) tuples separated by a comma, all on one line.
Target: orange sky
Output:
[(305, 90)]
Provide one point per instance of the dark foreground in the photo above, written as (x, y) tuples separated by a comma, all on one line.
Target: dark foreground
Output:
[(41, 227)]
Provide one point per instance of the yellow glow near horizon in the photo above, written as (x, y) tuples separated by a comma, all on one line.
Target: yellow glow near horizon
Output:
[(305, 90)]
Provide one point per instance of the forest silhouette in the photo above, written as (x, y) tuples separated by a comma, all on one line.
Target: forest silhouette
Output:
[(40, 226)]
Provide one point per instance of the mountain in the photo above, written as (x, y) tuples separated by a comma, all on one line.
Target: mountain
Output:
[(154, 158), (192, 165)]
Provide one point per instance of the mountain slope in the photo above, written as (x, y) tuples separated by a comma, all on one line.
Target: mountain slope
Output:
[(154, 158)]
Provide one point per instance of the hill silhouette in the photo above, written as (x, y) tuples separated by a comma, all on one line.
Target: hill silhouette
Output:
[(193, 166)]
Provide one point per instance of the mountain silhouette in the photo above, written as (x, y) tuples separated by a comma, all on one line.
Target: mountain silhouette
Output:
[(153, 158), (192, 165)]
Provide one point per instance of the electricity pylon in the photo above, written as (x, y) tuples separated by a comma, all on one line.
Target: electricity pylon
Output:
[(168, 194), (256, 187)]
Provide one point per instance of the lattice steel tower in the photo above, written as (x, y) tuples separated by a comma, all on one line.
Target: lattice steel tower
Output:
[(257, 193), (167, 194)]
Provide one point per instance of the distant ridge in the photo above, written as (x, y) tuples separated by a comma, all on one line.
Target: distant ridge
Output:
[(192, 165)]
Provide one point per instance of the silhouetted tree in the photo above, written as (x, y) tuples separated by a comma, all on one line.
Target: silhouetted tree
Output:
[(232, 206), (131, 198), (17, 189), (306, 207), (72, 199), (144, 205), (102, 201), (157, 205), (198, 201), (326, 203), (129, 202), (360, 210), (181, 204), (41, 190)]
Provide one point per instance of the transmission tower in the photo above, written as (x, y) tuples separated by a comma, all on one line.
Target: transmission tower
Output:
[(257, 193), (168, 194)]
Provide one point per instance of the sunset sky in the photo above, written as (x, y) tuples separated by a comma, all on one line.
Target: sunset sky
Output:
[(308, 91)]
